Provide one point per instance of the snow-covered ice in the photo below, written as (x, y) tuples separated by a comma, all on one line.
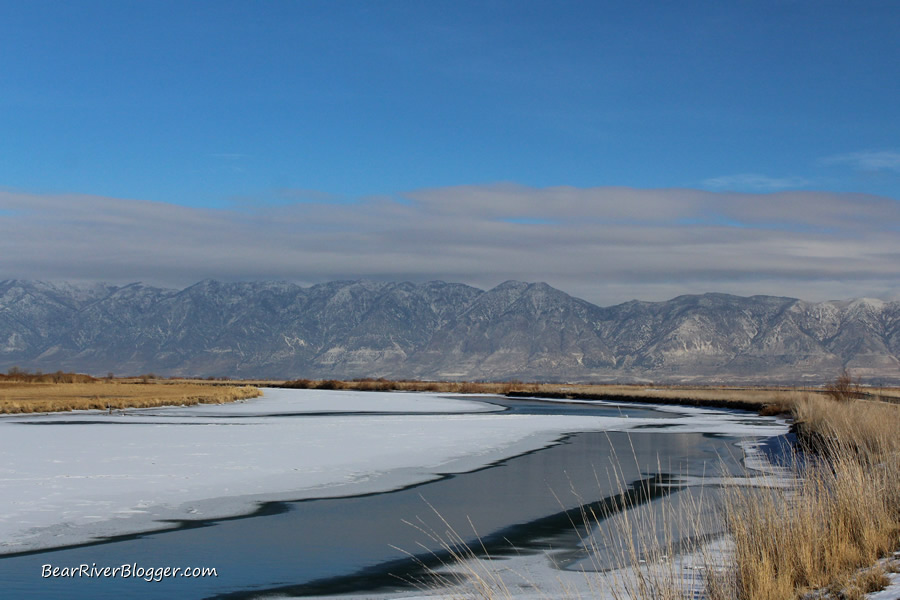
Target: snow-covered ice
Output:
[(68, 478)]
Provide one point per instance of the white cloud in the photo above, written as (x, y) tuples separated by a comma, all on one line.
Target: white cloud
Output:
[(754, 182), (606, 244), (867, 161)]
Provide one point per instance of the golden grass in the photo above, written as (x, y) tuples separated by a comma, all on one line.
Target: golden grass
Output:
[(869, 428), (885, 393), (834, 523), (22, 397), (17, 375), (843, 514)]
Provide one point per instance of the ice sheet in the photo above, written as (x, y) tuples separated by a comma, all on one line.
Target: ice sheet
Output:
[(68, 478), (276, 401)]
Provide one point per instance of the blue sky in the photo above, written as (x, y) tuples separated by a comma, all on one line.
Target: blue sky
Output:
[(261, 105)]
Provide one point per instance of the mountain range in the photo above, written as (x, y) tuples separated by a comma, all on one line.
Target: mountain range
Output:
[(438, 330)]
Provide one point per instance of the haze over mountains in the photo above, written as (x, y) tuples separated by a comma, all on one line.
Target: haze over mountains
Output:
[(437, 330)]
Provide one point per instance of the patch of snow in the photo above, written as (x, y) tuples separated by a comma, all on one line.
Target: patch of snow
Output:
[(892, 591)]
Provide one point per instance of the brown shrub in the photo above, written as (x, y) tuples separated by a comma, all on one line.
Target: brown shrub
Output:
[(845, 388), (300, 384), (330, 384)]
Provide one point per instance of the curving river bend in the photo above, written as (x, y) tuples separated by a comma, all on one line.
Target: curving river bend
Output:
[(535, 466)]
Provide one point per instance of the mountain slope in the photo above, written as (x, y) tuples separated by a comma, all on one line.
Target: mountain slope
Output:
[(439, 330)]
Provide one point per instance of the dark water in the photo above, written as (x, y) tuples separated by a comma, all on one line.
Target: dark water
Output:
[(335, 545)]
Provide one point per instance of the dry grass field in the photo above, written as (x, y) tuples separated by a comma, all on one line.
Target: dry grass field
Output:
[(37, 396)]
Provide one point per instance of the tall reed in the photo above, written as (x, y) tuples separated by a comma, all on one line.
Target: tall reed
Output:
[(843, 514)]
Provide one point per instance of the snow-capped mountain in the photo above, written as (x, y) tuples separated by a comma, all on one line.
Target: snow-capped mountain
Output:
[(525, 331)]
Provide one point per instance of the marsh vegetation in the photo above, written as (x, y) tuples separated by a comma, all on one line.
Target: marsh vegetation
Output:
[(69, 391)]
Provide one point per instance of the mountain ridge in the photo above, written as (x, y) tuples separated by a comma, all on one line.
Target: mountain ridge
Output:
[(440, 330)]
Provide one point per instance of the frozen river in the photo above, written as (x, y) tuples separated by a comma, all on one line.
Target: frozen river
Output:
[(305, 492)]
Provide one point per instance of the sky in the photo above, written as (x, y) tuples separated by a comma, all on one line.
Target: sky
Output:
[(615, 150)]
